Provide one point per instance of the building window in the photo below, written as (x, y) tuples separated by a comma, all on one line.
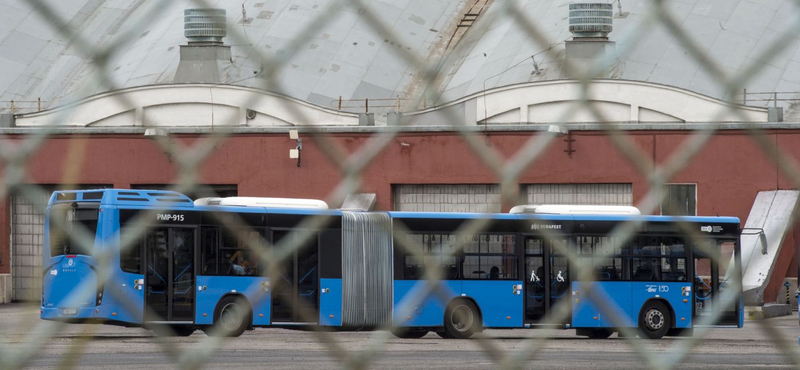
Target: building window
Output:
[(680, 200)]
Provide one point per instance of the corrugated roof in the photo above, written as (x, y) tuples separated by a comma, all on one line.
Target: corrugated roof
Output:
[(350, 59), (344, 58), (734, 34)]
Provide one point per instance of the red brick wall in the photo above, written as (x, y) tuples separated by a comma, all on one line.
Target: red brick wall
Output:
[(729, 170)]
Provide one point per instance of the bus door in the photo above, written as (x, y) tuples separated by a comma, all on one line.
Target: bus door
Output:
[(169, 279), (560, 285), (536, 287), (712, 279), (295, 296), (546, 284)]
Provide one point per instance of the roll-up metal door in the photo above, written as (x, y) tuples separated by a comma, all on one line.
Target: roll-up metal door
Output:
[(447, 198)]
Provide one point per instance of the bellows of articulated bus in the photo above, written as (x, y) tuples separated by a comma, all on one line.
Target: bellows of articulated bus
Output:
[(562, 209), (262, 202)]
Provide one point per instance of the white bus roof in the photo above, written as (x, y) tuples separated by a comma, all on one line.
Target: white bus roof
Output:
[(262, 202), (567, 209)]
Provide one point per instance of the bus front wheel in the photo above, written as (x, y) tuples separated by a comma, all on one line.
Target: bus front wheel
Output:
[(231, 318), (654, 320), (461, 319)]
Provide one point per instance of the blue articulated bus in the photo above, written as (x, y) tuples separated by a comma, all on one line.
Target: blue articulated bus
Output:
[(190, 270)]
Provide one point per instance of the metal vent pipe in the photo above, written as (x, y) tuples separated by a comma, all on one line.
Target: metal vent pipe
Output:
[(204, 25), (590, 19)]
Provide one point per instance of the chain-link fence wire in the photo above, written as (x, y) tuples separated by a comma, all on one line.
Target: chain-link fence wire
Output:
[(15, 150)]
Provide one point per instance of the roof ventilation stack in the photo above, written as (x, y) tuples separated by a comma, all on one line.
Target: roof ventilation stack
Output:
[(205, 57), (590, 20), (590, 51), (206, 26)]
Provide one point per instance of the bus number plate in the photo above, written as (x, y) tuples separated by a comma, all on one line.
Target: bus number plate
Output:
[(657, 288), (69, 311)]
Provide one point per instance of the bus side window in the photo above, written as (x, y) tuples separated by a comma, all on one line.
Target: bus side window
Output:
[(209, 250), (130, 254), (437, 252), (236, 254), (605, 255), (490, 256), (660, 259)]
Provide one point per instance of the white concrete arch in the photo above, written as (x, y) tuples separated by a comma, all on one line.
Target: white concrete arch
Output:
[(188, 105), (208, 105), (617, 100)]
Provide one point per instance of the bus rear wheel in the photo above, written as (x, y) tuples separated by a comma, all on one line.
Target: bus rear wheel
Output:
[(461, 319), (654, 320), (231, 318)]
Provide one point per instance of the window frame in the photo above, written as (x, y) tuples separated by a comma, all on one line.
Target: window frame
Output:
[(632, 252)]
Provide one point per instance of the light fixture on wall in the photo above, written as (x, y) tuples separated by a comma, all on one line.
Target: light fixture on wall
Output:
[(154, 132), (295, 153)]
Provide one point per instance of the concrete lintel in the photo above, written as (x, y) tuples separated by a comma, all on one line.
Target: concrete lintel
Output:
[(722, 126)]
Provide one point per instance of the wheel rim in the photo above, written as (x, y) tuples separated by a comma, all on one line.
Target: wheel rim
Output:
[(231, 316), (462, 318), (654, 319)]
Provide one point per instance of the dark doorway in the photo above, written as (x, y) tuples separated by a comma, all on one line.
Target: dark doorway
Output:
[(169, 278), (546, 284), (295, 295)]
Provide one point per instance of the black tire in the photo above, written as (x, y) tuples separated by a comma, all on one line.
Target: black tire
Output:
[(461, 319), (655, 320), (409, 333), (231, 318), (600, 333)]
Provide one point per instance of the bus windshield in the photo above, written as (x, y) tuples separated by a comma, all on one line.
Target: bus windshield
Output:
[(63, 234)]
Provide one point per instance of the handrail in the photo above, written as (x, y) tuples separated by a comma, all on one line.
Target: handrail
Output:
[(344, 103), (14, 103), (771, 96)]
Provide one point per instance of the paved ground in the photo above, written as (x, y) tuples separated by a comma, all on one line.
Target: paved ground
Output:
[(108, 347)]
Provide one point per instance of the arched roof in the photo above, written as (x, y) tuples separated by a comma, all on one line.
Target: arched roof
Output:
[(345, 57), (733, 34), (212, 105)]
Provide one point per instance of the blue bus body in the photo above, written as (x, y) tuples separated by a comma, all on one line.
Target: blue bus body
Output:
[(514, 276)]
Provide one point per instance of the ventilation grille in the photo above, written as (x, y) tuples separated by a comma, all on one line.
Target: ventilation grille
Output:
[(590, 19), (204, 25), (367, 292)]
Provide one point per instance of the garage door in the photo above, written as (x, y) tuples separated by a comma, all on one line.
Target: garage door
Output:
[(447, 198), (585, 194), (27, 234)]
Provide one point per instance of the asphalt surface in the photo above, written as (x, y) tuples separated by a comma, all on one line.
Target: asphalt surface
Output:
[(110, 347)]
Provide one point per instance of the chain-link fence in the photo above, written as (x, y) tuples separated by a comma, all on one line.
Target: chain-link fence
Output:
[(190, 156)]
